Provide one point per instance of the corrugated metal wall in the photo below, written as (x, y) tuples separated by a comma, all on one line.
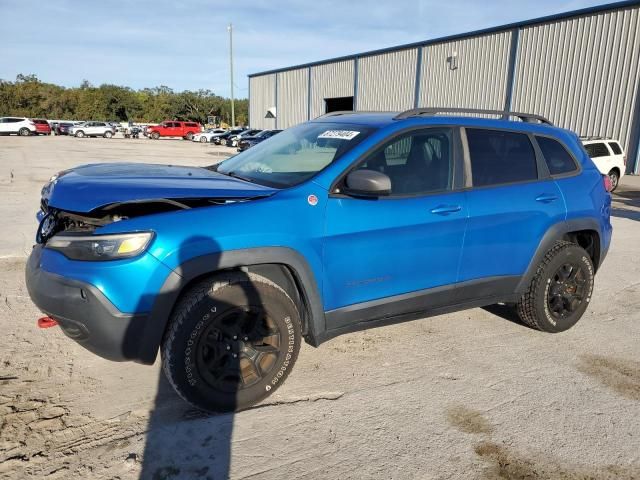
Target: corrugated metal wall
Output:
[(480, 79), (330, 80), (387, 81), (293, 98), (262, 97), (582, 73)]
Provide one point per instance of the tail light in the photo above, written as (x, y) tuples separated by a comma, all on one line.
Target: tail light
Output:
[(607, 182)]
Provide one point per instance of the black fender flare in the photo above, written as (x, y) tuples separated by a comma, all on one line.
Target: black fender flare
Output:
[(184, 274), (552, 235)]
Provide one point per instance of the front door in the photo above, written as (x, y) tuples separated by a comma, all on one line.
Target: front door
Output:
[(377, 249)]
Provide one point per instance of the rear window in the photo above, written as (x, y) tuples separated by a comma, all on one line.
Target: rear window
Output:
[(558, 159), (499, 157), (615, 148), (191, 124), (596, 150)]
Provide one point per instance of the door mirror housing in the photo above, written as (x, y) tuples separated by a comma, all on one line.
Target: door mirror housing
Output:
[(369, 183)]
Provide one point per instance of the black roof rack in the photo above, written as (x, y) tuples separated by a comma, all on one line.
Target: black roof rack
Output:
[(525, 117)]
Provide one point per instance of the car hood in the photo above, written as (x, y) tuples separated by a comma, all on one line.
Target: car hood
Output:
[(90, 187)]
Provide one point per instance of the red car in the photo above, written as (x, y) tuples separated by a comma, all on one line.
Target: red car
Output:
[(42, 126), (174, 128)]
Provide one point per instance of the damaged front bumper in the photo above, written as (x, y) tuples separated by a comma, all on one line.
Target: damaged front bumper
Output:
[(85, 313)]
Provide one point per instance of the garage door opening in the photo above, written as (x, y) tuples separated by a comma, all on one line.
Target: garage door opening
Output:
[(338, 104)]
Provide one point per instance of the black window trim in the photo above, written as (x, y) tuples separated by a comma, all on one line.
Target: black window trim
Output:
[(457, 181), (577, 164), (541, 165), (606, 147), (611, 143)]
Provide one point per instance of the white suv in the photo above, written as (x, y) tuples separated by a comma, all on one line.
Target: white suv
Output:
[(608, 156), (92, 129), (18, 125)]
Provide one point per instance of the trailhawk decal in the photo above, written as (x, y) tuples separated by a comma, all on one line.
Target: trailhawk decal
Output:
[(339, 134)]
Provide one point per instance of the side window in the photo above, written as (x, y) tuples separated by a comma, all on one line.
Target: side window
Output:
[(596, 150), (558, 159), (417, 163), (615, 148), (499, 157)]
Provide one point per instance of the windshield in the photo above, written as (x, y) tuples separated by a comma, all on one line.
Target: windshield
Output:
[(295, 154)]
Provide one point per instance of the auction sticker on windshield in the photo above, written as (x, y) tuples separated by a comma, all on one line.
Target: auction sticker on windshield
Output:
[(339, 134)]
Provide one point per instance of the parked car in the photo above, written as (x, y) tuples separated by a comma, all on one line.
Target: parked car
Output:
[(249, 142), (63, 128), (222, 138), (346, 222), (174, 128), (42, 126), (92, 129), (608, 156), (17, 125), (233, 140), (207, 135)]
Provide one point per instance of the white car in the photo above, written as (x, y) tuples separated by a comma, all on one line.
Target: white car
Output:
[(92, 129), (19, 125), (205, 137), (608, 156)]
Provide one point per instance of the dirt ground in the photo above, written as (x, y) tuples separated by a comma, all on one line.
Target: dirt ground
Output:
[(467, 395)]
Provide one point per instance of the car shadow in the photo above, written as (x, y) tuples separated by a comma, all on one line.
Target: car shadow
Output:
[(507, 312), (183, 442)]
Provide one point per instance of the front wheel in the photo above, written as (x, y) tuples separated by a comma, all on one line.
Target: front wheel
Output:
[(79, 134), (203, 139), (560, 291), (24, 132), (231, 342), (155, 135), (614, 177)]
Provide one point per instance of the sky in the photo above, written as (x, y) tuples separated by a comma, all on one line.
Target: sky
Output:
[(185, 44)]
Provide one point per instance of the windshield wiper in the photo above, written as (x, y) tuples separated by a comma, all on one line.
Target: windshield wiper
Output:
[(235, 175)]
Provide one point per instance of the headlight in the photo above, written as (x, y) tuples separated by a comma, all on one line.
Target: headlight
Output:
[(101, 247)]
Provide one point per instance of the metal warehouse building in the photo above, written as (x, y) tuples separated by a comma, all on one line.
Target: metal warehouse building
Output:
[(579, 69)]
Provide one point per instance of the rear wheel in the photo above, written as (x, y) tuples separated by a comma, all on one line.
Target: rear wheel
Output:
[(189, 136), (24, 132), (108, 134), (614, 177), (231, 342), (560, 291)]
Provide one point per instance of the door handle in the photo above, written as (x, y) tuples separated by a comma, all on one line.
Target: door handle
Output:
[(446, 209), (546, 198)]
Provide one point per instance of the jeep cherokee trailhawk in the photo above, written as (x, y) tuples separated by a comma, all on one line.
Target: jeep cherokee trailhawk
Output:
[(343, 223)]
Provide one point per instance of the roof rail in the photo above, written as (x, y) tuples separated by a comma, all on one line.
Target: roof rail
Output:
[(349, 112), (525, 117), (588, 138)]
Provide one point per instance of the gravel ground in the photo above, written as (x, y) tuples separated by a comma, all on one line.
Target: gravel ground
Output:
[(468, 395)]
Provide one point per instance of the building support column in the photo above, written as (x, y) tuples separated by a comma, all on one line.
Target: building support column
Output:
[(633, 151), (276, 104), (309, 93), (416, 95), (513, 64), (355, 83)]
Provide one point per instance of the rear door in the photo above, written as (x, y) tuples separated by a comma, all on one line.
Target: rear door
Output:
[(512, 202), (404, 243), (601, 156)]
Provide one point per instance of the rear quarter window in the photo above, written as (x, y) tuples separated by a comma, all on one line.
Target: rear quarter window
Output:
[(558, 159), (596, 150), (500, 157), (615, 148)]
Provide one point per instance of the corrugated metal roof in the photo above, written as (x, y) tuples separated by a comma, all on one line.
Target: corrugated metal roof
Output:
[(526, 23)]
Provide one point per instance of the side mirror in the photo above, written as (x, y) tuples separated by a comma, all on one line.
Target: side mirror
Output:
[(370, 183)]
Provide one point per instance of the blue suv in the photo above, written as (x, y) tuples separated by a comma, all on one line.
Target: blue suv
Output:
[(343, 223)]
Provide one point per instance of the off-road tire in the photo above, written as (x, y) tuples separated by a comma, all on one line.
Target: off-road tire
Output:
[(155, 135), (203, 139), (200, 312), (108, 134), (24, 132), (79, 134), (614, 178), (534, 308)]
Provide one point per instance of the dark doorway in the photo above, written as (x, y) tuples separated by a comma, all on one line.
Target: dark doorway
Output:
[(338, 104)]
